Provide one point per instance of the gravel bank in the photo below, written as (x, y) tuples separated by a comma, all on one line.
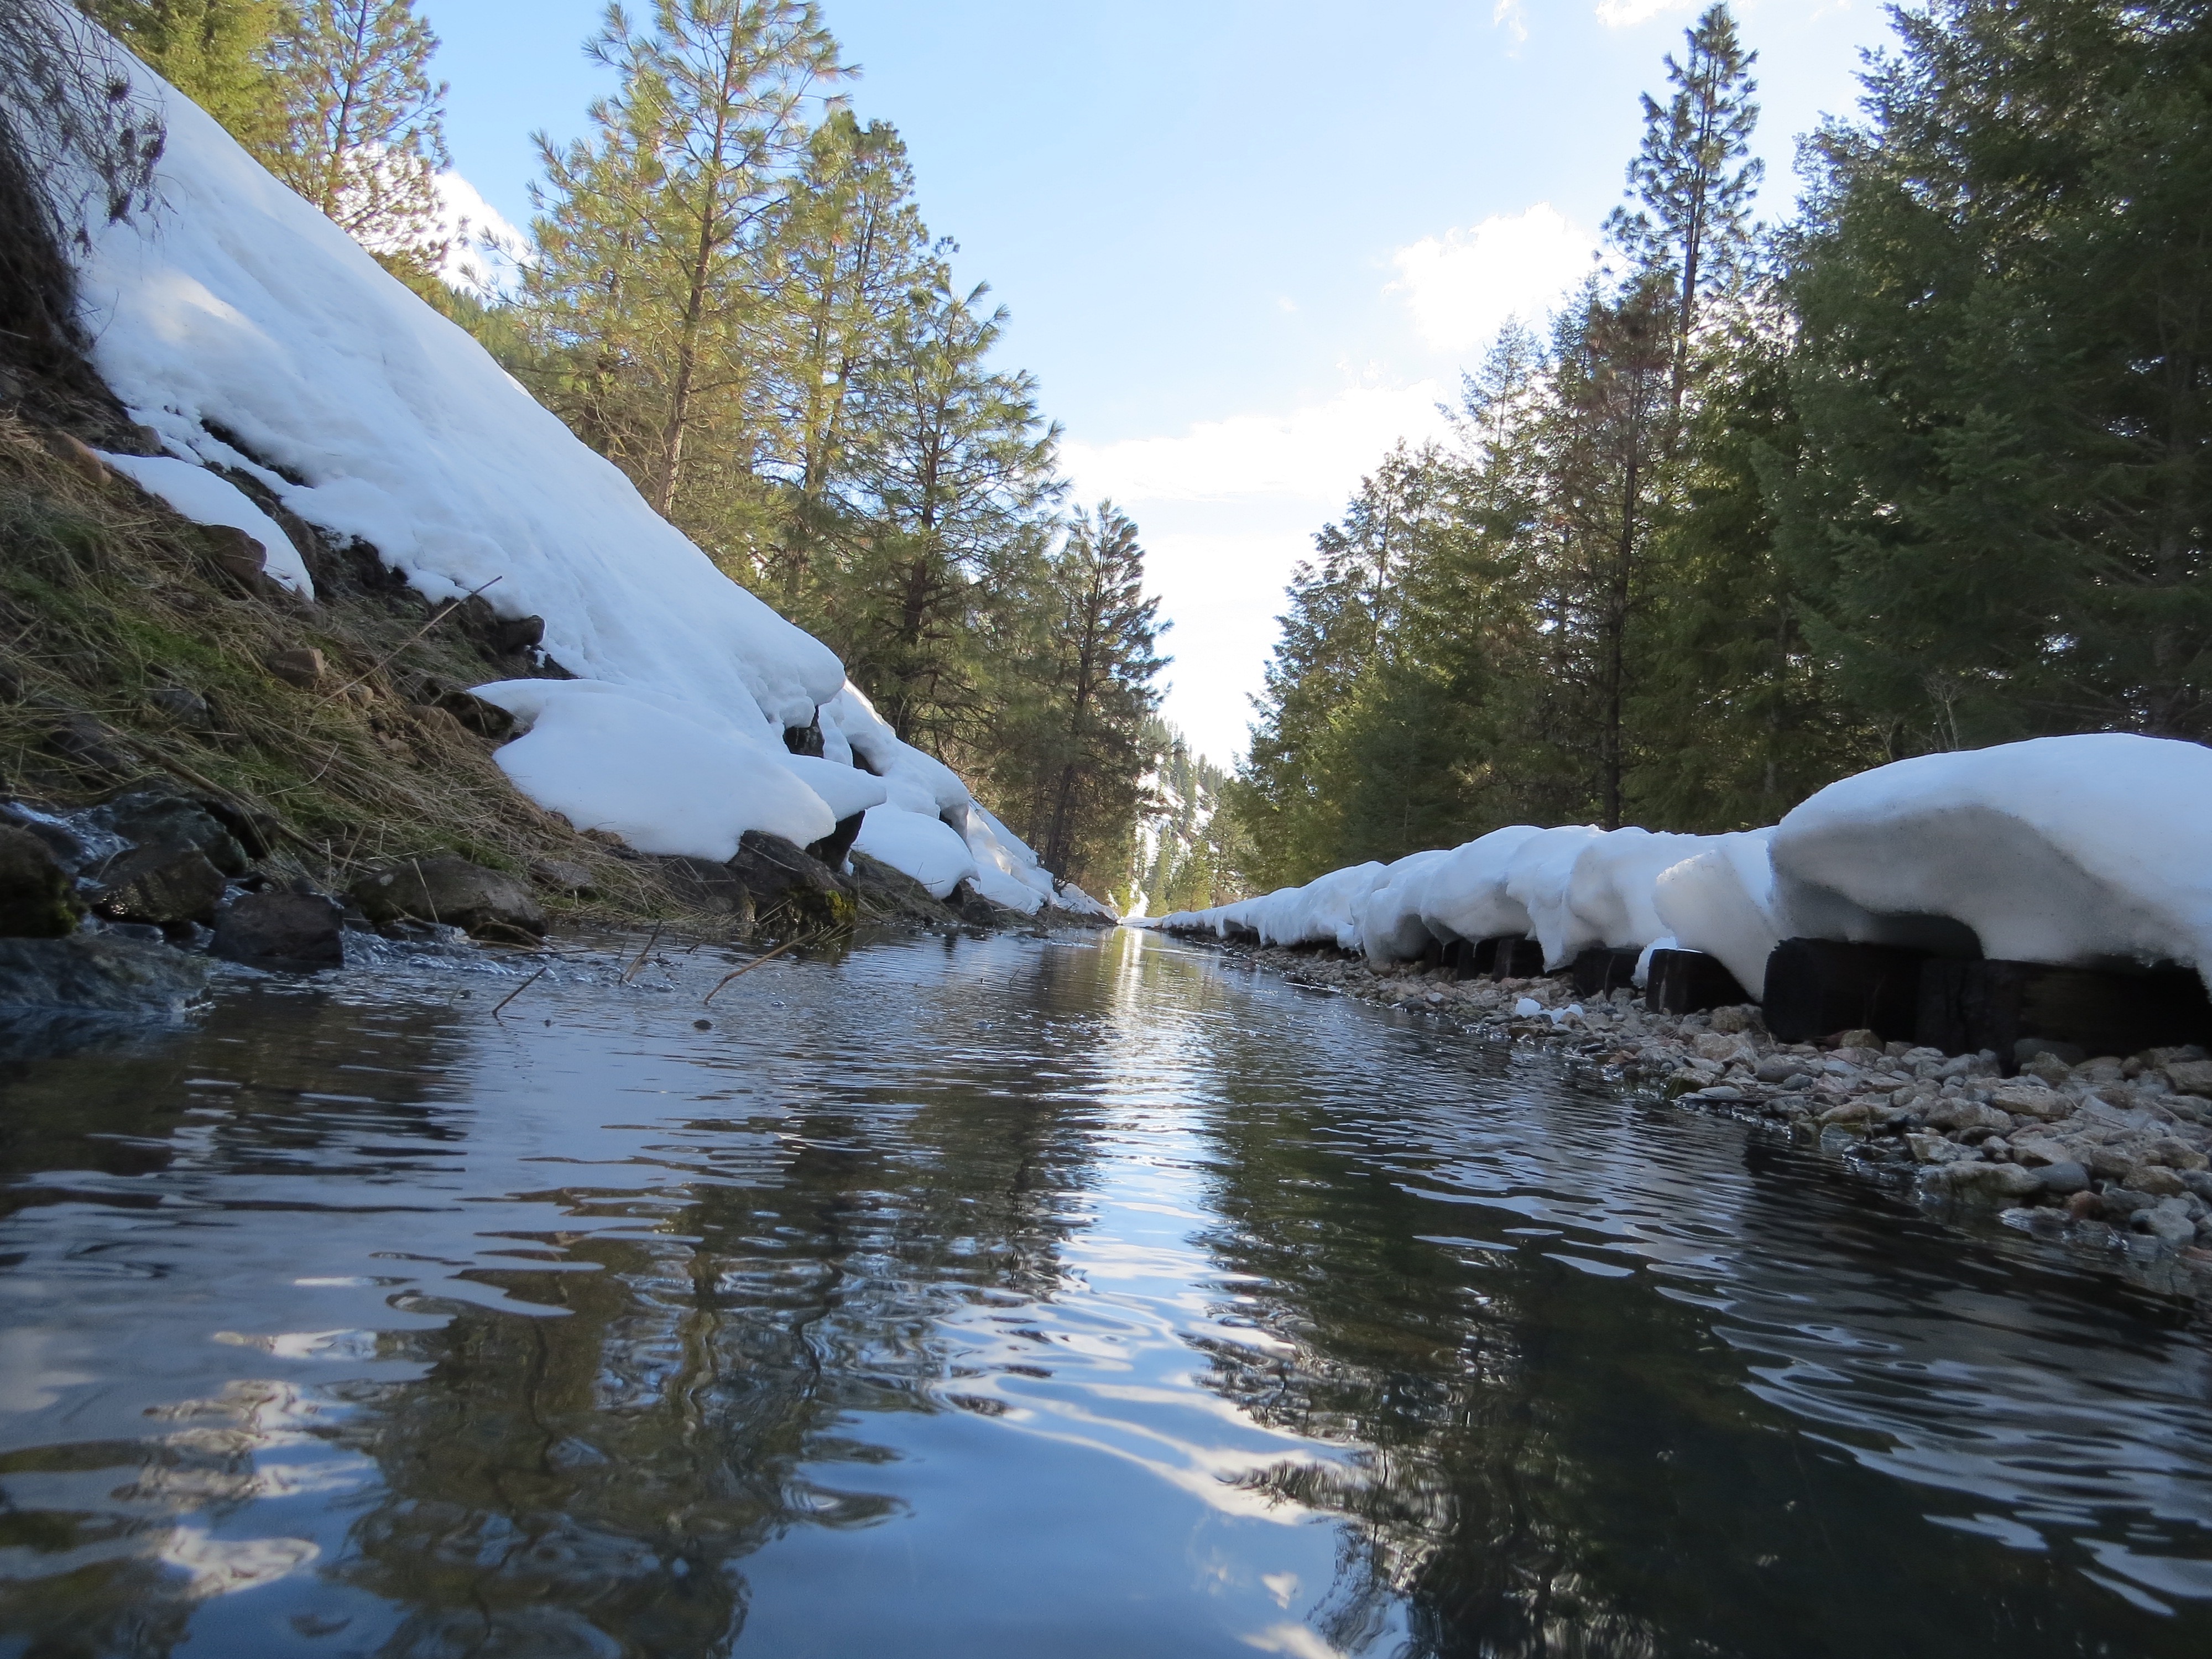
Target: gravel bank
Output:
[(2110, 1156)]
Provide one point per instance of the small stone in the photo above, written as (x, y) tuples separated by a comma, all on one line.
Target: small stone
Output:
[(2123, 1201), (187, 708), (2189, 1077), (2028, 1051), (2178, 1154), (1780, 1068), (160, 885), (1859, 1037), (2167, 1222), (2085, 1205), (702, 1025), (1994, 1181), (2156, 1179), (303, 667), (2032, 1100), (2064, 1180), (37, 898)]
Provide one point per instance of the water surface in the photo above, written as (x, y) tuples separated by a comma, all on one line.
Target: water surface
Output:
[(998, 1295)]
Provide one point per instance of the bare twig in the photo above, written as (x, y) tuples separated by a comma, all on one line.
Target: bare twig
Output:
[(444, 612), (519, 989), (741, 972), (643, 954)]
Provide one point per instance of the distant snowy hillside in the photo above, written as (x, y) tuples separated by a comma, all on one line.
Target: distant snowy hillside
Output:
[(250, 333)]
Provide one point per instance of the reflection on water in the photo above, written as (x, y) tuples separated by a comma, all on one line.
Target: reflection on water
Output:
[(1014, 1297)]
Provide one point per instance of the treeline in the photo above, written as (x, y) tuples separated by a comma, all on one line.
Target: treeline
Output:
[(1924, 468), (731, 292), (1189, 853)]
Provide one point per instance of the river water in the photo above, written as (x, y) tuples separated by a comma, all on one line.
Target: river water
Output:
[(1006, 1296)]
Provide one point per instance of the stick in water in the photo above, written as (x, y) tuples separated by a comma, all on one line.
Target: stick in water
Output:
[(519, 989), (741, 972), (643, 954)]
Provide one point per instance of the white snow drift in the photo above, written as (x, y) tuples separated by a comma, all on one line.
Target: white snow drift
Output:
[(251, 334), (2084, 850)]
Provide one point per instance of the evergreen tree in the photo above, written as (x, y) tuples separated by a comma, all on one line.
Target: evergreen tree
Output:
[(654, 264), (947, 490), (1690, 232), (2005, 318), (363, 132), (214, 52), (1087, 790), (851, 248)]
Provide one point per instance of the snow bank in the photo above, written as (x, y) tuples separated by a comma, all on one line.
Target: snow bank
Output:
[(659, 772), (1465, 896), (924, 847), (250, 333), (206, 497), (1536, 877), (1721, 901), (1390, 925), (1609, 890), (2066, 850)]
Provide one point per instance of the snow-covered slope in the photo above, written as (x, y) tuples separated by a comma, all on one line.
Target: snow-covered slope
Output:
[(250, 333)]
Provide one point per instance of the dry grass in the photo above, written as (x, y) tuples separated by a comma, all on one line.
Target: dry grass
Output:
[(106, 598)]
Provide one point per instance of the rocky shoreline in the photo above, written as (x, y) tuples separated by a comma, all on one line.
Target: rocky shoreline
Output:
[(2108, 1155)]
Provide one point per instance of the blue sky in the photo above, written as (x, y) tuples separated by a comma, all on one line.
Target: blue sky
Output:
[(1244, 245)]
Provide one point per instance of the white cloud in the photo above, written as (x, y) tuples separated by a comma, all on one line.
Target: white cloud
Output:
[(1627, 14), (1511, 14), (1315, 454), (486, 249), (1225, 509), (1463, 286)]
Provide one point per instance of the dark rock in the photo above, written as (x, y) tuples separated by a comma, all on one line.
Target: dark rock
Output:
[(37, 900), (86, 741), (511, 634), (972, 908), (486, 719), (452, 892), (562, 876), (2064, 1180), (892, 894), (1817, 986), (805, 739), (1690, 983), (239, 557), (2028, 1050), (703, 885), (2123, 1201), (1508, 959), (303, 667), (831, 850), (298, 931), (185, 707), (97, 971), (161, 885), (1967, 1006), (169, 818), (791, 886)]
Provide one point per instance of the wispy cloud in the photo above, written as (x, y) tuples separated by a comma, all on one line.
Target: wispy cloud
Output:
[(1511, 14), (1314, 454), (1627, 14), (1460, 287)]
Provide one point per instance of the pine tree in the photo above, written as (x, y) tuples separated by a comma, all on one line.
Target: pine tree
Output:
[(364, 133), (2004, 342), (214, 52), (850, 247), (1691, 230), (947, 492), (1103, 664), (655, 263)]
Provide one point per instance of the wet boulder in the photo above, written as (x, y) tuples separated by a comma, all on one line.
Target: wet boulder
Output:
[(294, 931), (167, 818), (790, 884), (703, 884), (451, 892), (93, 971), (161, 884), (37, 898)]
